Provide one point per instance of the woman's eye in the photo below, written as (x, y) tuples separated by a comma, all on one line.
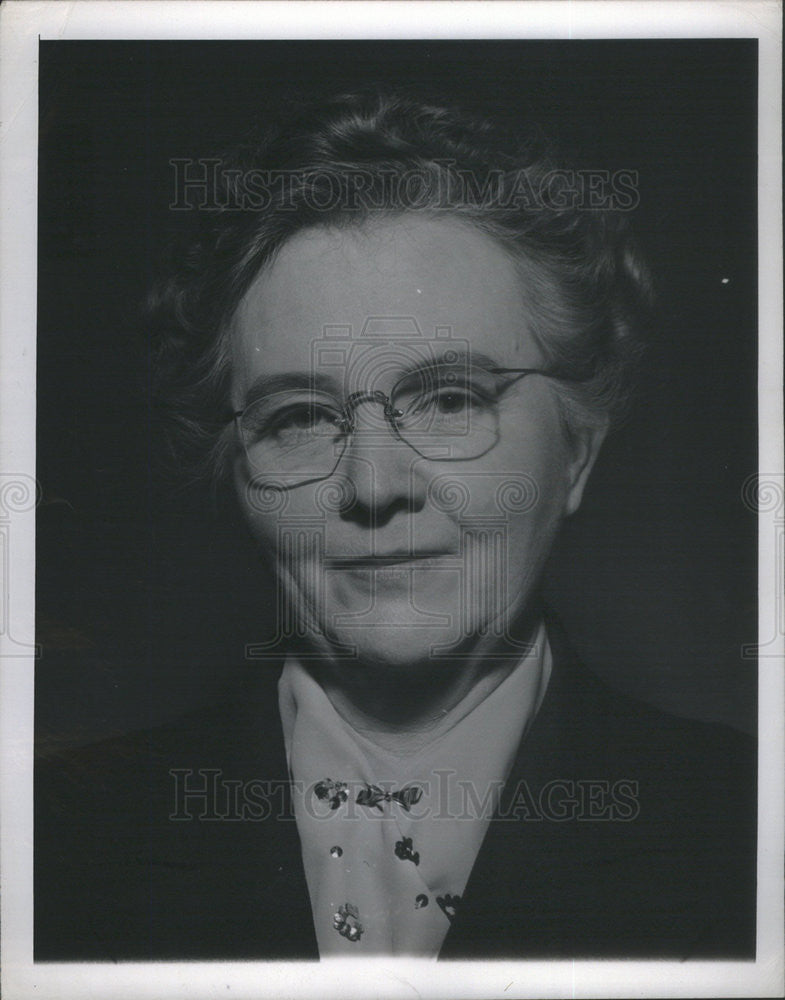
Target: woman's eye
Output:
[(448, 401), (457, 399), (301, 418), (452, 401)]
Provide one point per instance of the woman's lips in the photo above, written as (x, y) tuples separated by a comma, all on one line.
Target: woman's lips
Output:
[(394, 574), (418, 560)]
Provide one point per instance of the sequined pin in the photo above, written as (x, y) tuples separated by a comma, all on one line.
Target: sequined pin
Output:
[(403, 850), (347, 922), (449, 905), (333, 792)]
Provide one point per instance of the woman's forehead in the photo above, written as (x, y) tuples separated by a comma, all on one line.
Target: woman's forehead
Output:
[(410, 276)]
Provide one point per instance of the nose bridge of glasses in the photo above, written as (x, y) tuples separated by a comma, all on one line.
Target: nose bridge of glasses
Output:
[(356, 399), (378, 461)]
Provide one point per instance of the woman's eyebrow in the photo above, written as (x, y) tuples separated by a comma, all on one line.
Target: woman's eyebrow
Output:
[(281, 381), (452, 357)]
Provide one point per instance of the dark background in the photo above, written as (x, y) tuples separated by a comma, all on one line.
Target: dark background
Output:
[(145, 600)]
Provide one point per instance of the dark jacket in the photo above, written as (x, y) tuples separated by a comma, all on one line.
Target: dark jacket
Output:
[(622, 832)]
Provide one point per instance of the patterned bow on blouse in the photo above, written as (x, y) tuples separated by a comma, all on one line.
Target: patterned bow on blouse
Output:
[(372, 795)]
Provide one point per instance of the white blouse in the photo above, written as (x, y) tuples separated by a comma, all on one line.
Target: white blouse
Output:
[(389, 841)]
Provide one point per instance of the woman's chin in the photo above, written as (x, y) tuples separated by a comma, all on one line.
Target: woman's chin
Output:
[(400, 627), (397, 628), (403, 647), (388, 648)]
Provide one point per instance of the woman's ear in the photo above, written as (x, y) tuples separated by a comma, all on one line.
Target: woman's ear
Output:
[(583, 447)]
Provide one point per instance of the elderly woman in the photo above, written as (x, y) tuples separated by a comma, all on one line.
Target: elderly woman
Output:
[(401, 337)]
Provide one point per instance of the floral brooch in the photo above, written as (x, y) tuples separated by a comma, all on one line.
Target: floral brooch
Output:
[(332, 792), (403, 850), (347, 922)]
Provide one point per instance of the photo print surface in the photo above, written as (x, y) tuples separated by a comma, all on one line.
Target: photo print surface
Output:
[(396, 552)]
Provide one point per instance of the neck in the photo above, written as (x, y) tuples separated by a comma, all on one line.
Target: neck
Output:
[(399, 707)]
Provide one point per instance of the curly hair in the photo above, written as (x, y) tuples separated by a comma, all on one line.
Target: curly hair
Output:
[(357, 157)]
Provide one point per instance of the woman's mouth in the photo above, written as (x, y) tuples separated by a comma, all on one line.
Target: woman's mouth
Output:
[(419, 560)]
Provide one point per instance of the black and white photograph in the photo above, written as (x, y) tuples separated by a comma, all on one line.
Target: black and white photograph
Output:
[(401, 496)]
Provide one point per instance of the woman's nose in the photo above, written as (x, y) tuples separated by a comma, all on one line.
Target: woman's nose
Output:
[(385, 473)]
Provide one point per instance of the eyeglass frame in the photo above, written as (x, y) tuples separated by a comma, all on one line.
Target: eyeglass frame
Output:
[(390, 414)]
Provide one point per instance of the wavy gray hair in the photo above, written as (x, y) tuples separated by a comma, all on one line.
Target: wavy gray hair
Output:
[(357, 157)]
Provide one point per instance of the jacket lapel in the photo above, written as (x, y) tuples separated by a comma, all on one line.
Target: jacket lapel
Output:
[(238, 883), (523, 883)]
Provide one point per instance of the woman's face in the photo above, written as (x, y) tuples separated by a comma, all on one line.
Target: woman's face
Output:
[(395, 557)]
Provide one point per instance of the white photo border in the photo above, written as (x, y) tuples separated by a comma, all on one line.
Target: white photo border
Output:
[(22, 25)]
